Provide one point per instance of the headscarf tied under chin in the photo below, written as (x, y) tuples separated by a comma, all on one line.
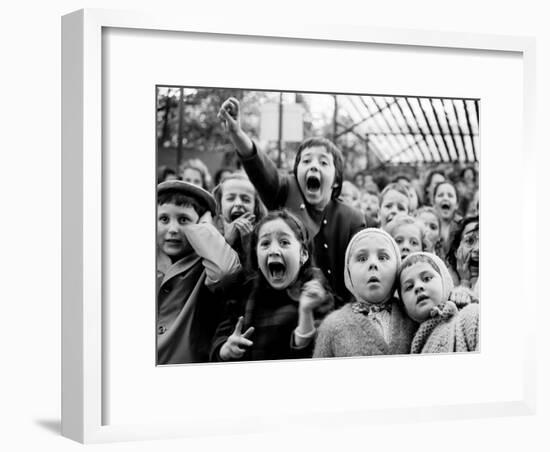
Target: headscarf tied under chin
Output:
[(351, 247), (446, 278)]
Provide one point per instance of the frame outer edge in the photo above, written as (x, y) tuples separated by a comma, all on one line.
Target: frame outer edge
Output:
[(72, 357)]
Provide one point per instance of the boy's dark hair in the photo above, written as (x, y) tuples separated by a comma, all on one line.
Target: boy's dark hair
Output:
[(293, 223), (179, 199), (337, 157), (259, 208), (457, 238)]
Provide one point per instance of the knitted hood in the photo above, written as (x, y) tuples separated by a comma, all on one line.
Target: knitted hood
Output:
[(446, 278), (353, 243)]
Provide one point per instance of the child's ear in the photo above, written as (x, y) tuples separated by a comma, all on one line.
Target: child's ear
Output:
[(304, 255)]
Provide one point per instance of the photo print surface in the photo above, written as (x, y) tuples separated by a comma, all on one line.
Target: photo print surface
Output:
[(296, 225)]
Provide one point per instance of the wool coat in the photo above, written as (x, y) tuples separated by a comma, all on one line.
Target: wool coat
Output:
[(451, 331), (187, 310), (347, 333)]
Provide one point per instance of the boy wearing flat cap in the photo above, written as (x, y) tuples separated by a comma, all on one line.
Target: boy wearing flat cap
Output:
[(193, 260)]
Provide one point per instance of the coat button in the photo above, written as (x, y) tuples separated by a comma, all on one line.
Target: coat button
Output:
[(325, 221), (329, 272), (162, 329), (302, 206), (325, 245)]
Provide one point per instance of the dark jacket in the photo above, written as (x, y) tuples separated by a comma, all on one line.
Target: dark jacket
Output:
[(330, 230), (274, 316)]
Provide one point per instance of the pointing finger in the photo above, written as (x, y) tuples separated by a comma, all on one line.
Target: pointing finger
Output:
[(239, 326), (248, 332)]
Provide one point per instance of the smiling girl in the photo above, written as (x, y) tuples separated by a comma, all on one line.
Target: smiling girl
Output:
[(275, 312)]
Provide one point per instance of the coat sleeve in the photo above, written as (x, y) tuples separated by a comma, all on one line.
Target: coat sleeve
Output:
[(220, 261), (233, 309), (271, 185), (323, 342), (468, 324)]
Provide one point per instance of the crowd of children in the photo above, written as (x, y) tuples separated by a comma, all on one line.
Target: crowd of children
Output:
[(276, 265)]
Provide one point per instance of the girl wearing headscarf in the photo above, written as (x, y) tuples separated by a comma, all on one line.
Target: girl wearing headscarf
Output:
[(425, 286), (374, 323)]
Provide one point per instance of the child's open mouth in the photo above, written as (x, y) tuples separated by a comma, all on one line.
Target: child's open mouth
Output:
[(445, 205), (313, 183), (236, 213), (373, 280), (421, 298), (173, 241), (276, 269)]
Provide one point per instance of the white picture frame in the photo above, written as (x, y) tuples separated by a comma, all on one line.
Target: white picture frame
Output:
[(86, 394)]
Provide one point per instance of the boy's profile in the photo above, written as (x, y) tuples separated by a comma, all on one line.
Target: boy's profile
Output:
[(192, 260)]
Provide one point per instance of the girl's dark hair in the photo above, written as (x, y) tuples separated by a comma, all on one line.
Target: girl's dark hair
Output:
[(164, 172), (336, 157), (297, 227), (469, 168), (176, 197), (219, 173), (448, 182), (457, 238), (428, 182)]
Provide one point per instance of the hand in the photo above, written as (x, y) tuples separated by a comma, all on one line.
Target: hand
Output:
[(461, 296), (206, 217), (241, 226), (230, 116), (313, 295), (463, 264), (236, 345)]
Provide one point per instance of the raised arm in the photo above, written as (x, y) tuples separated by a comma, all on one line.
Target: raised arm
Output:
[(262, 172), (220, 261)]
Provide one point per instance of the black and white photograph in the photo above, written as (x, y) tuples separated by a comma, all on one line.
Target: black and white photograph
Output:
[(298, 225)]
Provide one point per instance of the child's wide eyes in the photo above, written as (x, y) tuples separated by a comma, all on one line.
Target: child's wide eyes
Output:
[(284, 242), (163, 219), (428, 278), (407, 287), (264, 243), (361, 258)]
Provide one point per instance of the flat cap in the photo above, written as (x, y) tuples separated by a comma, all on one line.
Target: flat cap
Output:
[(190, 190)]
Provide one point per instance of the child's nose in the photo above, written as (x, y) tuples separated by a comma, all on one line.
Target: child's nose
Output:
[(274, 250)]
